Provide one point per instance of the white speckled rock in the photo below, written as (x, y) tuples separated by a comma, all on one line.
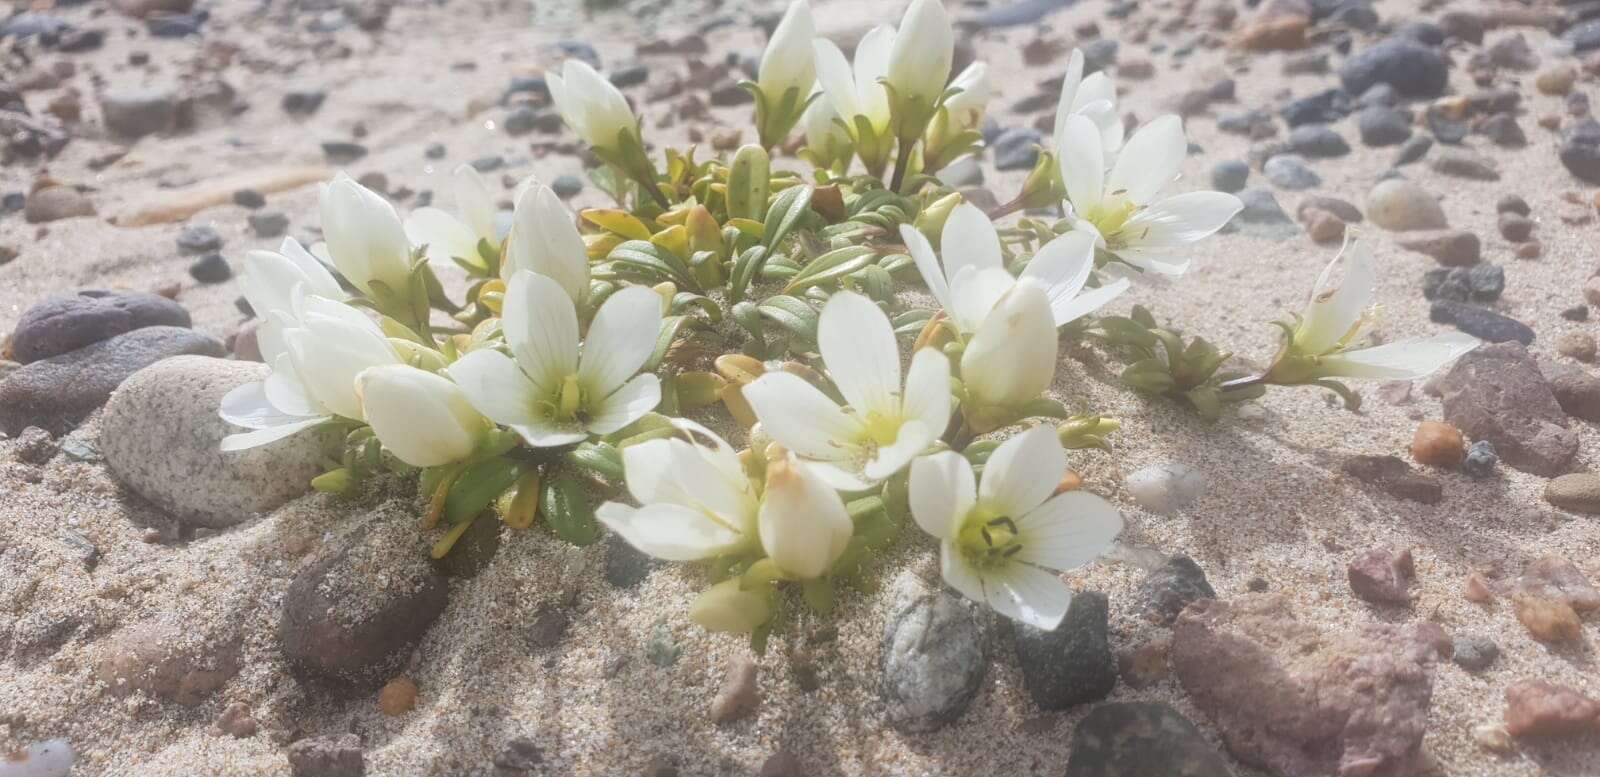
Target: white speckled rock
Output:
[(159, 435), (1166, 488)]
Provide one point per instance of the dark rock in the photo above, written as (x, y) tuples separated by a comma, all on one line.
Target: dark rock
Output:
[(1481, 459), (1099, 54), (269, 224), (1324, 107), (521, 755), (729, 94), (1463, 25), (1250, 123), (1379, 95), (211, 268), (1474, 652), (1290, 172), (1413, 150), (199, 240), (577, 49), (1426, 33), (249, 198), (632, 75), (1382, 576), (1497, 393), (1380, 126), (1584, 36), (175, 25), (343, 151), (567, 186), (1263, 216), (1346, 211), (1170, 587), (35, 446), (1446, 283), (1580, 147), (58, 392), (1413, 69), (356, 612), (474, 550), (546, 628), (303, 102), (1141, 739), (1017, 148), (625, 566), (1073, 664), (1502, 130), (1480, 322), (1512, 203), (327, 757), (1464, 165), (1229, 175), (1575, 388), (933, 663), (1318, 141), (1447, 127), (67, 322), (1487, 280), (1394, 476), (134, 113), (1293, 699)]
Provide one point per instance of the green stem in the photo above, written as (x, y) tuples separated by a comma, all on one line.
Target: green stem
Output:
[(902, 161)]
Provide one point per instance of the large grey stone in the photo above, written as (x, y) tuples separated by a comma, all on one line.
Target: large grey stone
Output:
[(58, 392), (1141, 739), (66, 322), (160, 435), (933, 663), (1497, 393)]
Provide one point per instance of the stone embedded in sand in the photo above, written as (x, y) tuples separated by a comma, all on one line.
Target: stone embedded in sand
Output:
[(327, 757), (66, 322), (53, 203), (1382, 576), (1399, 205), (1438, 445), (1072, 664), (50, 758), (160, 434), (1394, 476), (1166, 488), (1580, 150), (136, 112), (1480, 322), (1413, 69), (739, 695), (1294, 699), (1449, 247), (58, 392), (1171, 587), (1147, 739), (1539, 708), (168, 662), (521, 755), (236, 721), (933, 663), (397, 697), (1497, 393), (1578, 345), (1577, 390), (1473, 652), (1554, 577), (354, 613), (1548, 620), (1476, 589)]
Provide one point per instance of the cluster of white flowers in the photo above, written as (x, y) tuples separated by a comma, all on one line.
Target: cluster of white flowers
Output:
[(559, 357)]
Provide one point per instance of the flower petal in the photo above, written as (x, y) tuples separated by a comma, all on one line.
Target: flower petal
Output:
[(1022, 472), (911, 439), (927, 397), (258, 437), (927, 263), (1028, 594), (620, 339), (1067, 104), (974, 294), (803, 419), (1012, 358), (541, 326), (474, 203), (1181, 219), (1068, 531), (1335, 310), (495, 386), (803, 523), (627, 404), (668, 531), (1150, 160), (859, 350), (1082, 162), (1400, 361), (445, 236), (870, 66), (969, 239), (959, 573), (1061, 267), (1088, 302), (838, 84), (942, 491)]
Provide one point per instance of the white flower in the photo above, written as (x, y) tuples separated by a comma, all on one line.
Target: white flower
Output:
[(696, 502), (321, 347), (973, 276), (1320, 343), (1002, 540), (1122, 208), (855, 91), (365, 238), (919, 62), (457, 234), (592, 106), (966, 106), (422, 418), (788, 62), (803, 524), (1094, 98), (550, 394), (881, 427), (1012, 358), (826, 140), (545, 240)]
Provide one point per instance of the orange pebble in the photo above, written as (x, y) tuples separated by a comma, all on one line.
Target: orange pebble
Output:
[(1438, 444), (398, 697)]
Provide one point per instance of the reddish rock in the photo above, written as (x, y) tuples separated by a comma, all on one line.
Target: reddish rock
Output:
[(739, 695), (1497, 393), (1554, 577), (1383, 576), (1281, 26), (1537, 708), (166, 662), (1294, 699)]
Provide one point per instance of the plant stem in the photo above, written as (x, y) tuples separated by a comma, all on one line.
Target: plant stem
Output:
[(902, 161), (1242, 383)]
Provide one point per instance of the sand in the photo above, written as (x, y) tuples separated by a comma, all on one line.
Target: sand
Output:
[(1275, 506)]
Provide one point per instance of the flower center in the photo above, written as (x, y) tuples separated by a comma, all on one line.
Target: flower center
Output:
[(1111, 214), (570, 402), (988, 540), (882, 428)]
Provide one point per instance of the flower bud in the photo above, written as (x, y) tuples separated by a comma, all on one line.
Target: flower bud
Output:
[(1012, 357), (930, 222), (727, 606), (545, 240), (366, 240), (966, 107), (592, 106), (422, 418), (803, 525), (787, 63), (919, 63)]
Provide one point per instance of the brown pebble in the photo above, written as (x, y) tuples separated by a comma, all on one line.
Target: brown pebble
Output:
[(169, 290), (1476, 589), (398, 697), (1146, 664), (1529, 250), (1322, 226), (739, 694), (1591, 290), (1539, 708), (781, 764), (1438, 444), (1577, 345), (1548, 620), (1550, 121), (1383, 577), (1556, 80), (236, 721), (1492, 738)]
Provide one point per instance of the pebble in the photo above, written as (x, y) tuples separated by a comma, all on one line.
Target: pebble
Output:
[(160, 434), (1529, 250), (1413, 150), (1461, 164), (1514, 227), (303, 102), (1394, 476), (1511, 203), (67, 322), (199, 240), (211, 268), (134, 113), (236, 721), (1290, 172), (1382, 576), (1450, 247), (1166, 488), (1556, 80), (1480, 459), (1322, 226), (56, 202), (1399, 205), (1346, 211), (1438, 444), (1556, 578), (1503, 130), (50, 758), (169, 662), (1382, 126), (1229, 175), (1577, 345), (1169, 588), (1584, 36), (1413, 69), (1318, 141), (521, 755), (1474, 652), (268, 224), (1548, 620), (1497, 393), (1464, 283), (782, 763), (1480, 322), (57, 392), (397, 697), (1542, 709), (1254, 123), (1262, 216), (327, 756), (739, 695), (1578, 492), (933, 663), (567, 186), (1579, 152), (1072, 664), (342, 151), (1017, 148), (1324, 107), (625, 566), (1124, 739)]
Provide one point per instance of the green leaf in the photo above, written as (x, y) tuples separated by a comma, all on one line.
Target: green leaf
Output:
[(478, 485), (830, 267), (911, 322), (566, 511), (671, 328), (601, 458), (793, 314), (650, 258), (748, 178), (791, 204)]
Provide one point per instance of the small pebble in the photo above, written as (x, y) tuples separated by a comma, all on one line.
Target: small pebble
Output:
[(1438, 444), (1511, 203), (211, 268), (739, 695), (1577, 345), (1474, 652), (398, 697), (1548, 620), (1480, 460), (1575, 491), (1166, 488)]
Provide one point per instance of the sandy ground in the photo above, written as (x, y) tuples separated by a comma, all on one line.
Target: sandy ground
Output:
[(1275, 506)]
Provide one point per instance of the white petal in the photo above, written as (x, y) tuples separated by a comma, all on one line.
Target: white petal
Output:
[(1400, 361), (859, 350), (840, 477), (959, 573), (545, 240), (541, 326), (648, 469), (927, 263), (1181, 219), (942, 491), (1150, 160), (287, 393), (974, 293), (927, 397), (833, 73), (620, 339), (1068, 531), (787, 61), (1066, 104), (1028, 594), (1335, 310), (803, 419), (1012, 358), (969, 240), (1061, 267), (444, 235), (870, 66), (1089, 301), (495, 386), (474, 202), (919, 62), (258, 437), (1082, 162), (669, 532), (803, 523), (911, 439), (627, 404), (319, 281), (420, 417), (706, 485), (549, 433), (248, 406), (1022, 472)]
